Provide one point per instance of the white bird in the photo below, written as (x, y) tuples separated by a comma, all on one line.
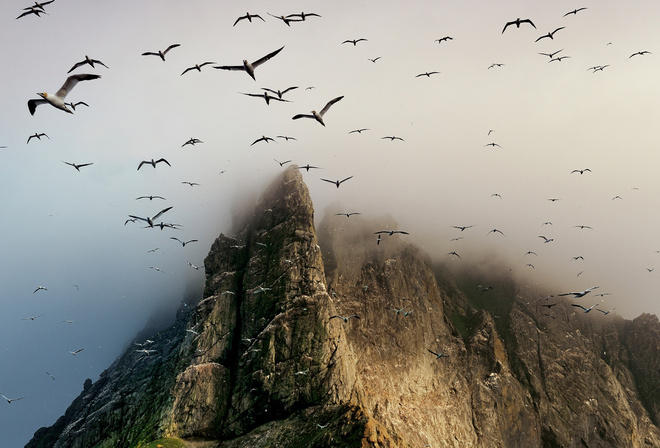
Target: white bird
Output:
[(605, 312), (161, 54), (247, 66), (318, 116), (52, 377), (77, 351), (9, 400), (33, 317), (89, 61), (193, 266), (57, 100), (577, 295), (197, 67), (149, 220)]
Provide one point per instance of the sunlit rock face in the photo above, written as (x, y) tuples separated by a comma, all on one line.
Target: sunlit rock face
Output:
[(260, 361)]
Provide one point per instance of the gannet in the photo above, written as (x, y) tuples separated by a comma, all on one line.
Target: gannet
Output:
[(33, 317), (249, 67), (37, 136), (359, 131), (282, 163), (192, 141), (550, 34), (249, 17), (87, 60), (150, 197), (303, 15), (57, 100), (193, 266), (39, 5), (605, 312), (52, 377), (73, 105), (32, 10), (640, 53), (493, 144), (265, 96), (581, 171), (454, 253), (337, 182), (391, 232), (149, 220), (40, 287), (153, 162), (517, 23), (74, 353), (443, 39), (559, 59), (197, 67), (155, 268), (279, 93), (552, 55), (495, 231), (546, 240), (318, 116), (575, 11), (9, 400), (577, 295), (374, 59), (354, 41), (286, 137), (284, 19), (76, 166), (192, 184), (427, 74), (308, 167), (494, 65), (462, 228), (161, 54), (392, 138), (438, 355), (183, 243), (348, 215), (586, 310), (345, 319)]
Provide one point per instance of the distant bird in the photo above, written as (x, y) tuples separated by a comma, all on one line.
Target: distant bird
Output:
[(492, 144), (74, 353), (9, 400), (581, 171), (559, 59), (318, 116), (156, 268), (462, 228), (197, 67), (530, 265), (282, 163), (153, 162), (517, 23), (359, 131), (279, 93), (194, 267), (496, 195), (38, 136), (495, 231), (263, 138), (149, 220), (161, 54), (145, 351), (550, 34), (443, 39), (322, 426), (378, 240), (286, 137), (348, 215), (69, 321), (32, 10), (392, 138), (308, 167), (192, 184), (192, 141), (87, 60), (438, 355), (40, 288), (454, 253), (249, 18), (547, 223), (617, 197), (598, 68), (286, 21), (77, 167), (554, 199), (304, 15), (39, 5), (605, 312), (494, 65), (549, 305), (374, 59), (584, 227), (427, 74), (337, 182), (345, 319), (529, 252), (33, 317), (552, 55), (183, 243), (57, 100), (456, 239), (150, 197), (546, 240), (51, 376), (577, 295), (73, 105), (391, 232), (640, 53), (650, 269), (575, 11), (247, 66), (153, 250), (260, 289), (579, 257), (354, 41), (586, 310)]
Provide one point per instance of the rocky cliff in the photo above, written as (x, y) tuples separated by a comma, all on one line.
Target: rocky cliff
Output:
[(260, 361)]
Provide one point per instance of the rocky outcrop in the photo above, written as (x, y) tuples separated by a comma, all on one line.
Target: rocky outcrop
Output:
[(260, 361)]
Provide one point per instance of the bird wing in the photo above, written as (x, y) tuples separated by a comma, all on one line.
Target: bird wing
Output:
[(579, 306), (137, 217), (330, 103), (163, 160), (350, 177), (191, 241), (239, 19), (187, 70), (161, 212), (528, 21), (288, 89), (230, 67), (150, 53), (84, 164), (175, 238), (76, 65), (32, 105), (168, 49), (258, 62), (72, 80), (331, 181), (295, 117)]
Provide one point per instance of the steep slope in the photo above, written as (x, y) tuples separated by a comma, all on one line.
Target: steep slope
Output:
[(260, 361)]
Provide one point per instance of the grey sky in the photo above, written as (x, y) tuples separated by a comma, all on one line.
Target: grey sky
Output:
[(62, 228)]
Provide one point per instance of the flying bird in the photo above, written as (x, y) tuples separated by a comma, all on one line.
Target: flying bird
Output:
[(493, 144), (517, 23), (546, 240), (438, 355), (197, 67), (581, 171), (40, 288), (454, 253), (529, 252), (73, 105), (33, 317), (495, 231), (575, 11), (348, 215), (87, 60), (391, 232), (57, 100), (192, 184), (32, 10), (150, 197), (151, 220), (77, 167), (153, 163), (392, 138), (74, 353), (640, 53), (159, 53), (9, 400), (374, 59), (247, 66), (494, 65), (550, 34), (605, 312), (286, 137), (577, 295), (586, 310), (359, 131), (279, 93), (282, 163), (192, 141), (443, 39), (354, 42), (318, 116), (284, 19), (183, 243), (304, 15), (427, 74), (584, 227), (559, 59), (40, 5), (552, 55), (194, 267), (249, 17), (52, 377), (345, 319), (462, 228), (337, 182), (37, 136), (263, 138)]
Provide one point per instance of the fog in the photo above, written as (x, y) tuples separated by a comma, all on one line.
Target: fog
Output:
[(65, 230)]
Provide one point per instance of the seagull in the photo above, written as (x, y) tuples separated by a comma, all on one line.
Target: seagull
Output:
[(145, 351), (308, 167), (77, 351), (197, 67), (192, 141), (497, 195), (9, 400), (156, 268), (193, 266), (150, 197), (605, 312), (354, 42), (553, 199), (546, 240), (33, 317), (249, 67), (77, 167), (575, 11), (359, 131), (40, 5), (577, 295), (438, 355), (462, 228), (249, 17), (40, 287), (443, 39), (57, 100), (161, 54), (345, 319), (282, 163), (153, 250), (337, 182), (284, 19), (149, 220), (581, 171), (192, 184), (318, 116), (640, 53), (304, 15), (89, 61), (73, 105), (392, 138), (348, 215), (37, 136), (586, 310), (260, 289), (183, 242), (153, 162), (550, 34), (517, 23), (266, 97), (391, 232), (494, 65), (427, 74), (579, 257), (552, 55)]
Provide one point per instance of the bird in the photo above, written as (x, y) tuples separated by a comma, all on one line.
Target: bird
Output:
[(443, 39), (348, 215), (266, 97), (282, 163), (156, 268), (427, 74), (153, 162), (337, 182), (77, 167), (192, 184), (87, 60), (249, 17), (308, 167), (304, 15), (359, 131), (530, 265), (150, 197), (197, 67), (550, 34), (397, 310), (145, 351), (279, 93), (159, 53), (354, 41), (153, 250), (462, 228), (322, 426), (57, 100), (554, 199), (438, 355), (493, 144), (149, 220), (183, 243), (9, 400), (579, 257), (575, 11), (318, 116), (584, 227), (454, 253), (391, 232), (73, 105), (577, 295), (286, 137), (40, 288), (40, 5), (345, 319), (496, 195), (581, 171), (193, 266), (586, 310), (494, 65), (38, 136), (392, 138), (529, 252), (374, 59), (549, 305), (247, 66), (546, 240), (559, 59), (32, 10), (74, 353), (284, 19), (605, 312), (263, 138), (495, 231), (192, 141), (640, 53), (33, 317), (52, 377), (517, 23), (552, 55)]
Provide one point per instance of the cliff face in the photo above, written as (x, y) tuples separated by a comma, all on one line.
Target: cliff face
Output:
[(260, 362)]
